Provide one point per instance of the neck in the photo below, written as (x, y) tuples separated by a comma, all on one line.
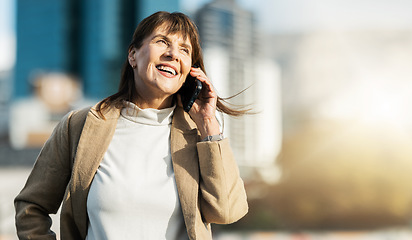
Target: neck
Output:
[(156, 103)]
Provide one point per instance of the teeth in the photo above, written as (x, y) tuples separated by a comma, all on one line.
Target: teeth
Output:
[(167, 69)]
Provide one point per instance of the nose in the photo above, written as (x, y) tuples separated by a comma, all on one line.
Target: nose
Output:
[(172, 53)]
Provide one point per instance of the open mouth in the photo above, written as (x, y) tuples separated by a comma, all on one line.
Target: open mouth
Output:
[(166, 69)]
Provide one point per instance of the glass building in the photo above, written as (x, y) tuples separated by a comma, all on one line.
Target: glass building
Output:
[(43, 41), (84, 38), (228, 34)]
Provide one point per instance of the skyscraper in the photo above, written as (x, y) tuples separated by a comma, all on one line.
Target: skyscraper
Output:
[(43, 41), (147, 7), (234, 63), (62, 40), (86, 38)]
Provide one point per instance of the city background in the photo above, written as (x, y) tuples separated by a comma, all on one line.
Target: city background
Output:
[(328, 153)]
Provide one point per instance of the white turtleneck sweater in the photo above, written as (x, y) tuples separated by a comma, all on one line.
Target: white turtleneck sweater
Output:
[(133, 194)]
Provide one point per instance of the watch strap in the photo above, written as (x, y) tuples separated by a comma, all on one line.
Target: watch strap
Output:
[(213, 138)]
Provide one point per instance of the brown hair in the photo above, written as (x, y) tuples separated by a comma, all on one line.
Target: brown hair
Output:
[(176, 23)]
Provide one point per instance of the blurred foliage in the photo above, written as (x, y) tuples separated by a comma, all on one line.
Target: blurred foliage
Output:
[(336, 176)]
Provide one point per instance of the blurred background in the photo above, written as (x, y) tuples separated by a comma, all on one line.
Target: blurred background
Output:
[(328, 154)]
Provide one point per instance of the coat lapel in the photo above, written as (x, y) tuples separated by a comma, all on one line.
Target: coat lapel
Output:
[(95, 138), (185, 164)]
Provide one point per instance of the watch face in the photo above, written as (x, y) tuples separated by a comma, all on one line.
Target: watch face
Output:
[(214, 138)]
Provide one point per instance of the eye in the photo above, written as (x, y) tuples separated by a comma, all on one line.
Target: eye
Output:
[(185, 50), (162, 41)]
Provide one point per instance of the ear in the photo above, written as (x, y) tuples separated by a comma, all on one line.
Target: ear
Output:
[(132, 51), (131, 57)]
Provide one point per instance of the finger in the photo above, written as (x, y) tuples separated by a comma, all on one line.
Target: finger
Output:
[(204, 79), (207, 85), (197, 72), (208, 88)]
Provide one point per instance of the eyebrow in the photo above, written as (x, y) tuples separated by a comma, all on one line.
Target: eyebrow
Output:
[(168, 39)]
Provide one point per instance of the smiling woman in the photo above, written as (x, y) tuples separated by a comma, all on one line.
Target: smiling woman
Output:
[(136, 165), (167, 40), (162, 62)]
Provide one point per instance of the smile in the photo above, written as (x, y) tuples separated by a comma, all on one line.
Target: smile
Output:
[(167, 69)]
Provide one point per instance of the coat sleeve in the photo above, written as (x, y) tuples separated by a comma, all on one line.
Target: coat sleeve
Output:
[(223, 196), (45, 186)]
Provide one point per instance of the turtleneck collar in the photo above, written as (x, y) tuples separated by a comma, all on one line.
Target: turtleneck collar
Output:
[(147, 116)]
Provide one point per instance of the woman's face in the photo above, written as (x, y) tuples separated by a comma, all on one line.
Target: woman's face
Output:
[(162, 64)]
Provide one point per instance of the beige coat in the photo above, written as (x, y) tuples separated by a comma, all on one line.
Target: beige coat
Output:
[(207, 178)]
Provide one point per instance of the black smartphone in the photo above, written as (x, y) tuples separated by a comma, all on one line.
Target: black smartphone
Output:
[(189, 91)]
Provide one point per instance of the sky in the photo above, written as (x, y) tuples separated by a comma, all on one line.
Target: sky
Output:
[(273, 16), (7, 39), (305, 15)]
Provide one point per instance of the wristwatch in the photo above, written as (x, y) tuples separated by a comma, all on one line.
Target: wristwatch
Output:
[(213, 138)]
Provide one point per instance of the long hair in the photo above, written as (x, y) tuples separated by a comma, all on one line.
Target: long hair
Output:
[(175, 23)]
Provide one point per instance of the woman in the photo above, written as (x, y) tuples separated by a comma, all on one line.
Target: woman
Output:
[(136, 166)]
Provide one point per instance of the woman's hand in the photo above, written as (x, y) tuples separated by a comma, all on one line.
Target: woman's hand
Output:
[(203, 111)]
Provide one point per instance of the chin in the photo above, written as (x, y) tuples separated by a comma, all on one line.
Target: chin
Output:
[(169, 89)]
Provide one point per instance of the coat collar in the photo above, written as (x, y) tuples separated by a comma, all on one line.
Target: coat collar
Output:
[(95, 139), (186, 166)]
